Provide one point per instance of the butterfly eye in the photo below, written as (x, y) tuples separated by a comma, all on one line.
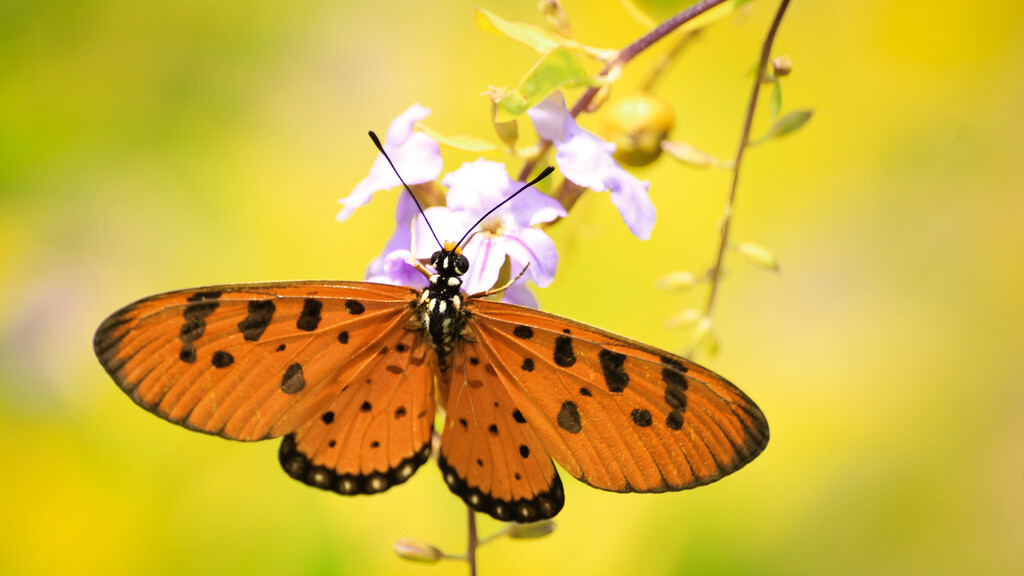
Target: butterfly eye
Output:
[(461, 264), (435, 258)]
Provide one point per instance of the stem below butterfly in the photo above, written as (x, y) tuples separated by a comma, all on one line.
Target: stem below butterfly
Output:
[(473, 542), (625, 55), (716, 271)]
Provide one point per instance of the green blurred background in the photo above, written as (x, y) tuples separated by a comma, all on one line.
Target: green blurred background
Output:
[(151, 146)]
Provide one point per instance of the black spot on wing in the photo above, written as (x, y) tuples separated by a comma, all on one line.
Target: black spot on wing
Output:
[(201, 305), (641, 417), (261, 314), (518, 416), (366, 406), (310, 317), (673, 373), (569, 418), (343, 337), (615, 376), (293, 381), (354, 307), (327, 417), (222, 359), (674, 420), (188, 353), (564, 355), (528, 364), (524, 332)]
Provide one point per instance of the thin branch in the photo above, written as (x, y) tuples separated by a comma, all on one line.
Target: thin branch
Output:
[(473, 543), (625, 55), (716, 272)]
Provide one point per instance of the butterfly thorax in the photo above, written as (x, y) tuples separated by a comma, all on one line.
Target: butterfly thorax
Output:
[(440, 305)]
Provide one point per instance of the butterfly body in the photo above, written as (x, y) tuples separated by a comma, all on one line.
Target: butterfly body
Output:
[(351, 373), (440, 307)]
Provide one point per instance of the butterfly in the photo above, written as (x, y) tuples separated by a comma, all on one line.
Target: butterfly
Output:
[(351, 375)]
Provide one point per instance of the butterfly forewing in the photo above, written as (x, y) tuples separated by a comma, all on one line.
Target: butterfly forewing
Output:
[(248, 361), (615, 413)]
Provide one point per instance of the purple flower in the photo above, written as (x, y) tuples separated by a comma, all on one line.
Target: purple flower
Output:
[(586, 161), (417, 156), (473, 189)]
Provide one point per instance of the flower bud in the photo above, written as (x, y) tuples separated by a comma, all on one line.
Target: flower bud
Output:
[(677, 281), (531, 530), (781, 65), (417, 551), (637, 124), (759, 255), (555, 14), (684, 318)]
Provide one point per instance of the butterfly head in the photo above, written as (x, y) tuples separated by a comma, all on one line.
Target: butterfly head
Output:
[(450, 262)]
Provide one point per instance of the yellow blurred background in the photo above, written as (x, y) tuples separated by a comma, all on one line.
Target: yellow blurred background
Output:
[(151, 146)]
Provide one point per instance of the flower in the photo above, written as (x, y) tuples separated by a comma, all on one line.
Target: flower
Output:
[(473, 189), (586, 161), (416, 155)]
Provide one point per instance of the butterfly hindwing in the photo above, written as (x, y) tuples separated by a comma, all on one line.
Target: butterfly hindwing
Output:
[(490, 456), (615, 413), (376, 431)]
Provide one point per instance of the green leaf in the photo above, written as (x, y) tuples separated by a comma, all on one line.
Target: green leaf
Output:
[(467, 143), (558, 69), (775, 101), (789, 122), (533, 36), (541, 40)]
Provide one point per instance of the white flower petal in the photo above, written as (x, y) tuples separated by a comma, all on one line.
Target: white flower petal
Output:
[(416, 155), (629, 195), (551, 119), (534, 247), (485, 260)]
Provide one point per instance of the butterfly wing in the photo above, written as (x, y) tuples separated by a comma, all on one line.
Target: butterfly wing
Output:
[(615, 413), (256, 361), (489, 457)]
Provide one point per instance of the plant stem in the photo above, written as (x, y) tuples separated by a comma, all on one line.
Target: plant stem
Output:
[(624, 56), (473, 542), (716, 272)]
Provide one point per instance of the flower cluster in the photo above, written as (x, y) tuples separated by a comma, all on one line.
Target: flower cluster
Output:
[(509, 234)]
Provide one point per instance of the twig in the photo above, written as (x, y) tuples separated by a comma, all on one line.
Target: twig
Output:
[(471, 546), (716, 272)]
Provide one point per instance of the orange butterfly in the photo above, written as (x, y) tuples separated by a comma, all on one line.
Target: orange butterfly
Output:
[(346, 373)]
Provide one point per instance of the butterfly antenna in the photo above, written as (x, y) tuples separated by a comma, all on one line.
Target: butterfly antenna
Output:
[(376, 142), (544, 174)]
